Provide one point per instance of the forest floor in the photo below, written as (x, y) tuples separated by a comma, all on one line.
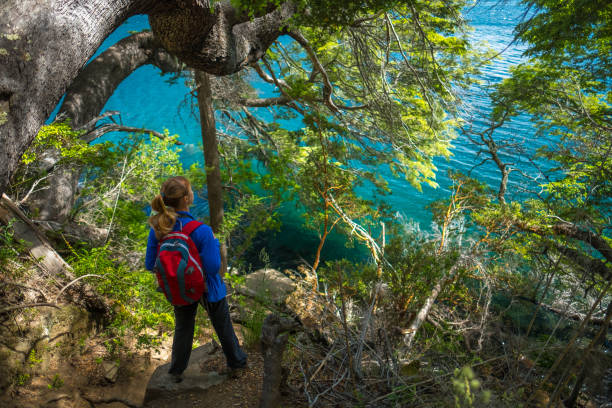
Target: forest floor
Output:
[(78, 381)]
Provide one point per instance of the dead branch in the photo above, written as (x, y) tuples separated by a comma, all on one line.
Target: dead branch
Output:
[(114, 127), (437, 289), (15, 307)]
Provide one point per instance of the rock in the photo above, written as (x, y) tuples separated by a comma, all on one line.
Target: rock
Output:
[(194, 379), (268, 285), (63, 400), (111, 370)]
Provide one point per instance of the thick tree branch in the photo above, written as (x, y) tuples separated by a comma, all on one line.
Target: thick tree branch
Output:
[(569, 230), (264, 102), (269, 79), (589, 264), (87, 95), (218, 40), (44, 45), (84, 100), (596, 241)]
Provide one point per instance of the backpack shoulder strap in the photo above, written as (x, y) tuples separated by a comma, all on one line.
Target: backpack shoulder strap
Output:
[(190, 227)]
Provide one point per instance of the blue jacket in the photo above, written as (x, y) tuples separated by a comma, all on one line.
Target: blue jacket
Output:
[(208, 247)]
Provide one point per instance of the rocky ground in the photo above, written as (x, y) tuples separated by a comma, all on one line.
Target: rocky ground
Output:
[(73, 373), (85, 384)]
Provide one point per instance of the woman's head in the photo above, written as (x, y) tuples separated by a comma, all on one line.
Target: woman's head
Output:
[(175, 195)]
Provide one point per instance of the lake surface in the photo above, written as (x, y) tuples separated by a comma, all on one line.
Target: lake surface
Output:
[(146, 100)]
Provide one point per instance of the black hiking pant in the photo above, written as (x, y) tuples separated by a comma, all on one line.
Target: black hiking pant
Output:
[(218, 312)]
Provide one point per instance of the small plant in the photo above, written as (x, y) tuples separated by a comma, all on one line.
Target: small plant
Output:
[(466, 389), (32, 359), (22, 379), (10, 247), (56, 383), (253, 323)]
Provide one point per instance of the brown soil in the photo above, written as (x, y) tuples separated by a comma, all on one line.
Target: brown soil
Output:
[(243, 391), (84, 386)]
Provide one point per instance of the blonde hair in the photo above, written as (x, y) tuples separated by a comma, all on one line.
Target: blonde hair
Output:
[(165, 204)]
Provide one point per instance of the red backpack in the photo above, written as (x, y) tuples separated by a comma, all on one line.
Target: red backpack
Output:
[(178, 267)]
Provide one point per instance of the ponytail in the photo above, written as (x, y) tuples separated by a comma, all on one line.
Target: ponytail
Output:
[(162, 222), (165, 203)]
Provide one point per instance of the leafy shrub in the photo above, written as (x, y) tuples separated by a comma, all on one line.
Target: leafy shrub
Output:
[(138, 307)]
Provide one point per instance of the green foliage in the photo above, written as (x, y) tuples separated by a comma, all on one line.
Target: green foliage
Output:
[(56, 382), (354, 280), (10, 247), (61, 137), (117, 188), (22, 379), (466, 387), (414, 268), (575, 34), (57, 141), (139, 310), (33, 360), (245, 218), (132, 171), (253, 323)]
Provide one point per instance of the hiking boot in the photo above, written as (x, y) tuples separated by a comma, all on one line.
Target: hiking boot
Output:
[(233, 372), (176, 378)]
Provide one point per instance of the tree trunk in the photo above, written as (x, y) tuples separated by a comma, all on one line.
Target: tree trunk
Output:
[(44, 44), (42, 47), (211, 160), (274, 336)]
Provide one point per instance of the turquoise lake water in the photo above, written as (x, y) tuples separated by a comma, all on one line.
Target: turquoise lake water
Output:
[(146, 100)]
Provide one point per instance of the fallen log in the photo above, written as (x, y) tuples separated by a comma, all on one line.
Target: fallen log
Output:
[(49, 260)]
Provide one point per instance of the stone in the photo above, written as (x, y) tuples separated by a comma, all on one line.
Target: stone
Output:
[(268, 285), (111, 370), (194, 379)]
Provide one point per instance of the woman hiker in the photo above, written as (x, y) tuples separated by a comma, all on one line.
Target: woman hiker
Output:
[(172, 213)]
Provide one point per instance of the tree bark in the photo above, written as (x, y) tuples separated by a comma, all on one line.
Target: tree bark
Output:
[(91, 89), (43, 45), (211, 160), (218, 39)]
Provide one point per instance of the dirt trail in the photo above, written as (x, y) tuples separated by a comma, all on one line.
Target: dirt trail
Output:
[(240, 392), (83, 385)]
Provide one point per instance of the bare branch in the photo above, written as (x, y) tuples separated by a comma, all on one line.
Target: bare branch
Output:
[(328, 89), (75, 281), (264, 102), (424, 311), (263, 75), (15, 307), (32, 189), (114, 127)]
